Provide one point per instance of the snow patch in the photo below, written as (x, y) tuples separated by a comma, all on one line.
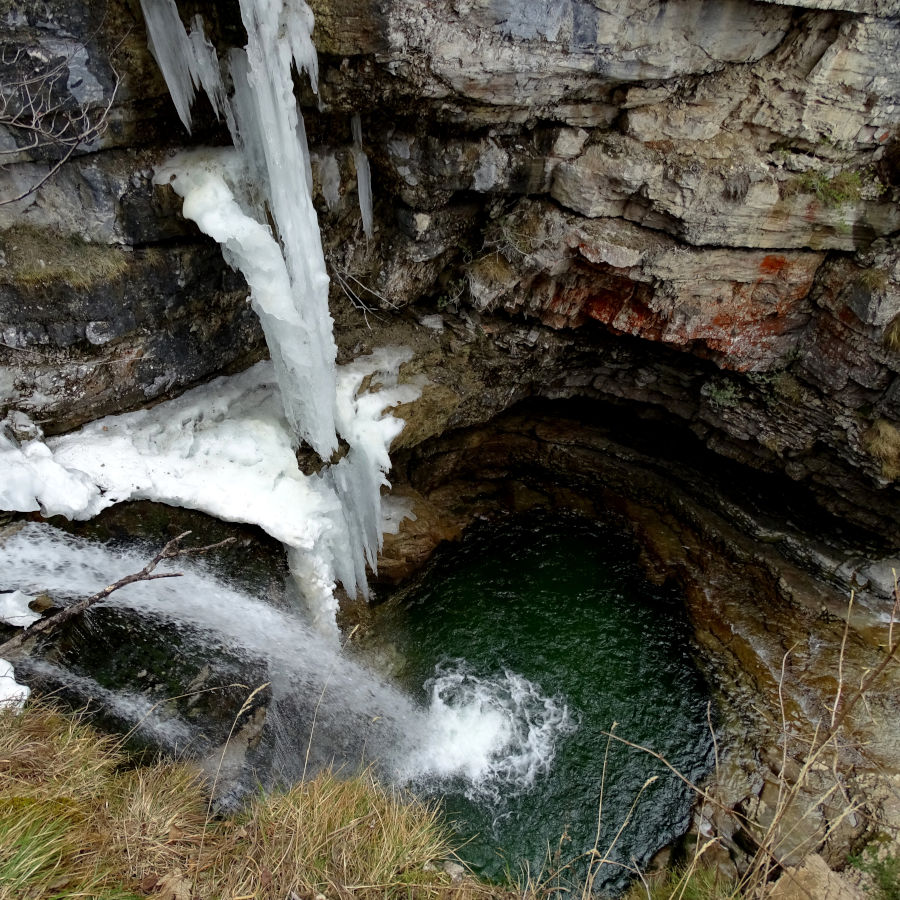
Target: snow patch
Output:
[(12, 694), (14, 609)]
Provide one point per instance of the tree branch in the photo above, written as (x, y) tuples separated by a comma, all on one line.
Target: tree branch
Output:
[(13, 648), (35, 107)]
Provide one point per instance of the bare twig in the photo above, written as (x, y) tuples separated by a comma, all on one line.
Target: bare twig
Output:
[(37, 108), (13, 647), (840, 687)]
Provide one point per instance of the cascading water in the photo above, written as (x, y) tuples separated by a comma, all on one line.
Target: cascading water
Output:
[(322, 708)]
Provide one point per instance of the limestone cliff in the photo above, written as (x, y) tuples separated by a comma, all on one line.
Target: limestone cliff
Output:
[(686, 207)]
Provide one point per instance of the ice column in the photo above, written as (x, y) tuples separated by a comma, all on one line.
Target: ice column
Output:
[(271, 174), (233, 195), (363, 176)]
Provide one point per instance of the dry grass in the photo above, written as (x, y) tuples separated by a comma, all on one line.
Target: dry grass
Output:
[(685, 883), (77, 821), (41, 257), (892, 335), (882, 440), (337, 837)]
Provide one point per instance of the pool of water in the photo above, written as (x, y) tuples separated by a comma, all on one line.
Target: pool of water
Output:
[(552, 615)]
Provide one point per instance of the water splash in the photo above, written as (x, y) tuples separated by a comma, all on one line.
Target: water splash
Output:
[(498, 733)]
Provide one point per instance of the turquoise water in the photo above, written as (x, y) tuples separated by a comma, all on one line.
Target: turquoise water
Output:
[(562, 603)]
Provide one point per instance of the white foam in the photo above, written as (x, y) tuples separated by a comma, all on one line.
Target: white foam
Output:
[(499, 733)]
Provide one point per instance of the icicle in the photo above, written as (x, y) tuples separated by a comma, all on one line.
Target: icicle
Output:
[(206, 73), (187, 61), (305, 377), (173, 53), (363, 176), (270, 128)]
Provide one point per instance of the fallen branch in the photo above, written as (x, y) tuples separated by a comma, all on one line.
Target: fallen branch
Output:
[(13, 647)]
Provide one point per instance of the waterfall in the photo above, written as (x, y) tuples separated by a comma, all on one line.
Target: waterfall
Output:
[(498, 733), (229, 448)]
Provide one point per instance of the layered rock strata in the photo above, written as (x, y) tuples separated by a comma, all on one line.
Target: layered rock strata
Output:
[(726, 187)]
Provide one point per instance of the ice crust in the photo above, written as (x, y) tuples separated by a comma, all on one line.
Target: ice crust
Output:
[(12, 694), (14, 609), (227, 449)]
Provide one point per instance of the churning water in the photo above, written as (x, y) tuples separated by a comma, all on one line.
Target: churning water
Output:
[(517, 650)]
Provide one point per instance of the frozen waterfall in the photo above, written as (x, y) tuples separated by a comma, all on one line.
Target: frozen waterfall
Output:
[(229, 448)]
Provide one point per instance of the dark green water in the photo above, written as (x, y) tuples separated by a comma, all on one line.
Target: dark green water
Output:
[(561, 602)]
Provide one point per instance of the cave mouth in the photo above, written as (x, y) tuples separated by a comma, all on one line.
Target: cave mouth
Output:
[(547, 617)]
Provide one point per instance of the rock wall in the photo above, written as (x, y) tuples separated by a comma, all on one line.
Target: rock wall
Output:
[(688, 207)]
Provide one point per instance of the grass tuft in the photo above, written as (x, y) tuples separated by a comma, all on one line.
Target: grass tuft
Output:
[(892, 335), (77, 820), (685, 883), (882, 441), (37, 257)]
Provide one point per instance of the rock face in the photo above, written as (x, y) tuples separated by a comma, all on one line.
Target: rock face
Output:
[(715, 178)]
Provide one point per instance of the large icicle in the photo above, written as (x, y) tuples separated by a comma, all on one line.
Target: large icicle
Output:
[(275, 175), (208, 181), (363, 177), (187, 61), (228, 448), (269, 125)]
